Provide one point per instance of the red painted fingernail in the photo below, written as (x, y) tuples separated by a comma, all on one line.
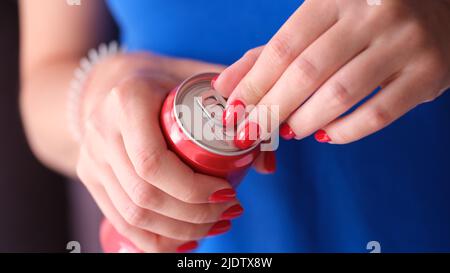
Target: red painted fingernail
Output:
[(222, 195), (270, 162), (232, 212), (247, 136), (322, 137), (233, 113), (286, 132), (213, 81), (219, 228), (189, 246)]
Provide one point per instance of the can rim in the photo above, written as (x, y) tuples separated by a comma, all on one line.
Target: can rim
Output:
[(185, 83)]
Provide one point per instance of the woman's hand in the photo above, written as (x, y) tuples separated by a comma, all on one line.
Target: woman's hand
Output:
[(144, 189), (330, 55), (146, 192)]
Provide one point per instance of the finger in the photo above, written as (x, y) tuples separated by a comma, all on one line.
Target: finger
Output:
[(386, 106), (265, 163), (295, 35), (307, 73), (146, 196), (232, 75), (344, 89), (134, 239), (149, 220), (143, 240), (146, 148), (146, 219)]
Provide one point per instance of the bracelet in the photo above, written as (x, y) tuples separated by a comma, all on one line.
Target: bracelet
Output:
[(78, 83)]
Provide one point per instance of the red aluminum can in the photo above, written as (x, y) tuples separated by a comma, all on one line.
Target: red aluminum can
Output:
[(190, 116)]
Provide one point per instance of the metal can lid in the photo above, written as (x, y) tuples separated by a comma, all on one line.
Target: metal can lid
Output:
[(198, 111)]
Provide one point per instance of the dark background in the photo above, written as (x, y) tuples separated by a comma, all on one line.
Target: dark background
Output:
[(39, 210)]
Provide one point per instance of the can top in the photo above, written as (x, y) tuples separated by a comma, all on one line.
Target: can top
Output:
[(198, 110)]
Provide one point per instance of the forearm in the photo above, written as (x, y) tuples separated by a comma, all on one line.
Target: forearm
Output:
[(54, 37), (43, 101)]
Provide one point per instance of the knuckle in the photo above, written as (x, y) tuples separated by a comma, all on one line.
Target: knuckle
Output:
[(190, 192), (144, 196), (134, 215), (251, 54), (417, 33), (394, 12), (435, 71), (202, 216), (305, 72), (340, 94), (280, 48), (191, 232), (378, 117), (251, 90), (120, 94), (148, 163)]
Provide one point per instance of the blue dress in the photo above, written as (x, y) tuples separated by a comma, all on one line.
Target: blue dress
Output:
[(392, 187)]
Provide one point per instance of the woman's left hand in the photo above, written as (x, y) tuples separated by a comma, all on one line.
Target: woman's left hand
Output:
[(330, 55)]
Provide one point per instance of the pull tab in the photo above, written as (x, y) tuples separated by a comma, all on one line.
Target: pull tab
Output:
[(212, 105)]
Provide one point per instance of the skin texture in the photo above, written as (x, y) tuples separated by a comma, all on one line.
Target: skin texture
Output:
[(330, 55), (149, 195)]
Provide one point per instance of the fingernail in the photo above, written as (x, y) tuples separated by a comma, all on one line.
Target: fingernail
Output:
[(219, 228), (322, 137), (232, 212), (286, 132), (222, 195), (270, 162), (213, 81), (247, 136), (189, 246), (233, 113)]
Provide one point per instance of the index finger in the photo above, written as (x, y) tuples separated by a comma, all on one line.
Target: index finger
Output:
[(301, 29)]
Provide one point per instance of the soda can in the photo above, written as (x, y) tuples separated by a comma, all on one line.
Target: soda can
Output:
[(191, 121)]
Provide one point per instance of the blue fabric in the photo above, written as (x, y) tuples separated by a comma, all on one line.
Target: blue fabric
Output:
[(392, 187)]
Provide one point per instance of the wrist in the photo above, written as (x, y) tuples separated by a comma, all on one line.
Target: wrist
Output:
[(82, 84)]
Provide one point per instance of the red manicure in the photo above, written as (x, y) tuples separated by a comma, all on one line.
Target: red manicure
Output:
[(232, 212), (322, 137), (219, 228), (213, 81), (233, 113), (222, 195), (286, 132), (270, 162), (247, 136), (189, 246)]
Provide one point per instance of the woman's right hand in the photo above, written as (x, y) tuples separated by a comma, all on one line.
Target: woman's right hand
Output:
[(148, 194)]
